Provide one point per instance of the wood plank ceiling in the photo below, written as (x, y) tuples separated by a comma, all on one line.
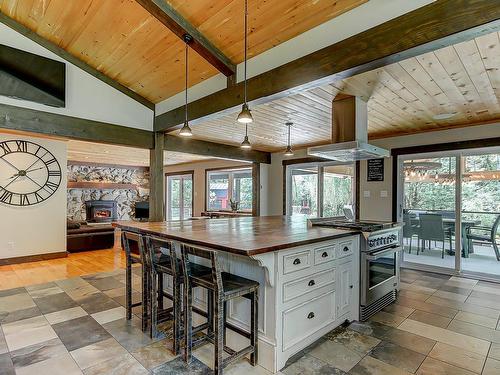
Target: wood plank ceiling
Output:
[(123, 41), (403, 98), (87, 152)]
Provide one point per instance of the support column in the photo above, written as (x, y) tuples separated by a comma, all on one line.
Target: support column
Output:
[(256, 189), (157, 180)]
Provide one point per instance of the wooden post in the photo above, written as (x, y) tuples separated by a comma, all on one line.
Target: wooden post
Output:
[(256, 189), (156, 180)]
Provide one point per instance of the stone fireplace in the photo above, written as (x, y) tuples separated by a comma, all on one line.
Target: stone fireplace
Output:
[(98, 211)]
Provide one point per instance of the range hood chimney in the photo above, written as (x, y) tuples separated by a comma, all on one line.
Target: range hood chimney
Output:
[(349, 133)]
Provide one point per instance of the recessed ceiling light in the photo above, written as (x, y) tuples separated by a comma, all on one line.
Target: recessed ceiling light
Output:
[(443, 116)]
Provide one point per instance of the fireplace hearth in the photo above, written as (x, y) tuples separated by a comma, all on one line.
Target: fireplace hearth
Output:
[(100, 211)]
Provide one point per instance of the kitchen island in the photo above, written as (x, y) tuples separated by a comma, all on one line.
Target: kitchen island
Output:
[(309, 276)]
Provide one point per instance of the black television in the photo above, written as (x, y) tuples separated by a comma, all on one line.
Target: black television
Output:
[(142, 210), (24, 75)]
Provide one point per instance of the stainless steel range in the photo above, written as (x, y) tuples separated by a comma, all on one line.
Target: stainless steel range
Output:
[(381, 244)]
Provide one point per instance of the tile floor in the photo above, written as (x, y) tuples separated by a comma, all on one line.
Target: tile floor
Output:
[(439, 325)]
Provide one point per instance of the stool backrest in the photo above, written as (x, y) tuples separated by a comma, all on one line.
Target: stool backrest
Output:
[(154, 248), (129, 240), (187, 251)]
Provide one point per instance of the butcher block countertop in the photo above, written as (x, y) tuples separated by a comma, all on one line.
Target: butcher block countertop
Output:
[(240, 235)]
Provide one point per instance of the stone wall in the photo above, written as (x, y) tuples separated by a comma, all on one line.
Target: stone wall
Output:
[(125, 198)]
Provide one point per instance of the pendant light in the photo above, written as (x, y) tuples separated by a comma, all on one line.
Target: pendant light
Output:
[(289, 151), (246, 143), (245, 116), (186, 130)]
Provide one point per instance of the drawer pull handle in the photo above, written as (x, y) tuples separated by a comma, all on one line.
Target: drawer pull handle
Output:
[(311, 315), (351, 286), (346, 249), (296, 261), (312, 283), (324, 255)]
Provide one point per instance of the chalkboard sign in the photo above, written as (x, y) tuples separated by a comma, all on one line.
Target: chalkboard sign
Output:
[(375, 170)]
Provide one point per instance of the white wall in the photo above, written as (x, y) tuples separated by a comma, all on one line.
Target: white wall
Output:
[(86, 96), (41, 228)]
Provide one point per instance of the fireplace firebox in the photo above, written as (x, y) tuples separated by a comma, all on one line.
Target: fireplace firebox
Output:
[(100, 211)]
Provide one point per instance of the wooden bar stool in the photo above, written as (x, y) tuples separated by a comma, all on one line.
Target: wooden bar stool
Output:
[(222, 287), (132, 241)]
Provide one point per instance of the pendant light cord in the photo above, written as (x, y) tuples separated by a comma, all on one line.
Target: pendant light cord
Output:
[(245, 64), (289, 130), (186, 91)]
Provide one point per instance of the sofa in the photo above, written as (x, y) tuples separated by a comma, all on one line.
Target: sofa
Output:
[(84, 237)]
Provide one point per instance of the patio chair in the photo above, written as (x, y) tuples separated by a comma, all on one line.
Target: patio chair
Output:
[(485, 234), (409, 229), (432, 229)]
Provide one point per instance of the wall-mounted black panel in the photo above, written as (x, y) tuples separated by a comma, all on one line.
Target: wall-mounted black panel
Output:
[(27, 76)]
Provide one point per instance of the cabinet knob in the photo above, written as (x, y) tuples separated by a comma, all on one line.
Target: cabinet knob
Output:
[(312, 283), (345, 249), (351, 286), (324, 255), (311, 315), (296, 261)]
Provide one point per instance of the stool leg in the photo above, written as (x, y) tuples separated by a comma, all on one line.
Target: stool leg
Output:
[(177, 315), (219, 331), (188, 324), (153, 303), (145, 298), (128, 294), (254, 329), (224, 320), (210, 312), (160, 292)]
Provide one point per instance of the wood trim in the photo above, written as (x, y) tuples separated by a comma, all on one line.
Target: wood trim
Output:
[(169, 17), (394, 188), (190, 172), (449, 146), (100, 185), (33, 258), (36, 121), (284, 189), (104, 165), (256, 189), (305, 160), (217, 150), (437, 25), (23, 30)]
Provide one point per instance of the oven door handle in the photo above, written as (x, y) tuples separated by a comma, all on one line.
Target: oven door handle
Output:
[(381, 253)]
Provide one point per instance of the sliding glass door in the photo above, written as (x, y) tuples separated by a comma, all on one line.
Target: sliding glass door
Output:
[(179, 202), (451, 201)]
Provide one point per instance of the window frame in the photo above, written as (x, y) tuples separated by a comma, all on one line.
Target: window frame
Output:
[(230, 171)]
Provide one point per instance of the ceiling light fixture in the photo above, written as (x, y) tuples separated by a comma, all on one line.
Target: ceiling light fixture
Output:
[(186, 130), (289, 151), (245, 115), (246, 143), (443, 116)]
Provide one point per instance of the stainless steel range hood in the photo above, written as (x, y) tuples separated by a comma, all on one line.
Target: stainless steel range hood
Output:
[(349, 133)]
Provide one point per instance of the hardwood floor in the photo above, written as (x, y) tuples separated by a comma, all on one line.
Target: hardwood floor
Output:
[(77, 264)]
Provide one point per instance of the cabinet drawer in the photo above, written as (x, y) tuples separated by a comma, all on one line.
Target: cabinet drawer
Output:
[(345, 248), (324, 254), (296, 262), (302, 321), (297, 288)]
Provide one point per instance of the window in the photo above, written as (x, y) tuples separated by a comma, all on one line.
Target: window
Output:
[(179, 197), (324, 189), (229, 184)]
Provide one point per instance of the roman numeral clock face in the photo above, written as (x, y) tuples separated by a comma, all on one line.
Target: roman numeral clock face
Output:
[(29, 173)]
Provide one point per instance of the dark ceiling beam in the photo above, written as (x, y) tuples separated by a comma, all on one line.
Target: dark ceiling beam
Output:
[(53, 124), (167, 15), (16, 26), (437, 25), (216, 150)]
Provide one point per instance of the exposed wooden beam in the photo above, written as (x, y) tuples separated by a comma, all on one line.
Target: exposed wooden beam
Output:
[(217, 150), (168, 16), (437, 25), (16, 26), (157, 180), (30, 120)]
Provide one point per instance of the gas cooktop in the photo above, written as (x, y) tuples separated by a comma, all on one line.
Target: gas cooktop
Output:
[(364, 226)]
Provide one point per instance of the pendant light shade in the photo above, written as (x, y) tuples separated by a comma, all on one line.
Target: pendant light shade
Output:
[(289, 151), (186, 130), (245, 116), (246, 143)]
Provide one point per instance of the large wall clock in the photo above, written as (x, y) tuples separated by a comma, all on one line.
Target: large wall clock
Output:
[(29, 173)]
